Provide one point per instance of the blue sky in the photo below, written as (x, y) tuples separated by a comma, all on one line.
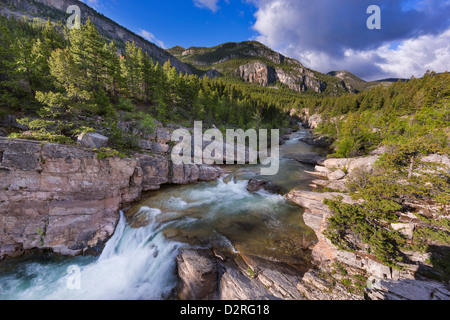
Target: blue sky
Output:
[(186, 23), (324, 35)]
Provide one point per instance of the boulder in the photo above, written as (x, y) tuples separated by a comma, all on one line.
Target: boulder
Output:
[(320, 141), (322, 170), (339, 185), (255, 185), (145, 144), (163, 135), (337, 175), (307, 158), (439, 159), (92, 140), (159, 147), (236, 286), (351, 164), (198, 273), (407, 229)]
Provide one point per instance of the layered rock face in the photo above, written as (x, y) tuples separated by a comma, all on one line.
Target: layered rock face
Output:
[(258, 72), (383, 282), (65, 199), (299, 80), (210, 275)]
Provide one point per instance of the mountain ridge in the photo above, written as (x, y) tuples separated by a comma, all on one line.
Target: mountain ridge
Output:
[(254, 62), (55, 11), (360, 84)]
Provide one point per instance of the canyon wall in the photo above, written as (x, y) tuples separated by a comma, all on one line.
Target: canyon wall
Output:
[(64, 198)]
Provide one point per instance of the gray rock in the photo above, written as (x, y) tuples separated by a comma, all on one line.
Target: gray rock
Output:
[(92, 140), (255, 185), (308, 158), (406, 229), (160, 147), (318, 141), (337, 175), (163, 135), (211, 73), (145, 144), (439, 159), (236, 286), (409, 289), (322, 170), (339, 185), (198, 274)]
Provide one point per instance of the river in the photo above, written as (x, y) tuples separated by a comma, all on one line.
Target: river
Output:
[(138, 262)]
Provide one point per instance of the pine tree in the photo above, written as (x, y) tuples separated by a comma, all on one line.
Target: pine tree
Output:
[(87, 49)]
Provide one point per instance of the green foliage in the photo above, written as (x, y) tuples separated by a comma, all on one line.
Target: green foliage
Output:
[(104, 153), (60, 77), (147, 124), (363, 222), (399, 176), (250, 272), (126, 105), (401, 112)]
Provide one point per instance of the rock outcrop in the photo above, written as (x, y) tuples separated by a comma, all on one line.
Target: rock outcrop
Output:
[(299, 79), (383, 282), (206, 274), (92, 140), (65, 199), (198, 271), (255, 185)]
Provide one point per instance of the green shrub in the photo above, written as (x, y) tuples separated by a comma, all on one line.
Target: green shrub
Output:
[(126, 105)]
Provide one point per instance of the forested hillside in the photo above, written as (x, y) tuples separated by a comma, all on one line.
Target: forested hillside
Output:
[(410, 121), (403, 113), (58, 78)]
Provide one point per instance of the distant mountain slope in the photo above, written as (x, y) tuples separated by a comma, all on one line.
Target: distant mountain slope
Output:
[(55, 10), (256, 63), (359, 84)]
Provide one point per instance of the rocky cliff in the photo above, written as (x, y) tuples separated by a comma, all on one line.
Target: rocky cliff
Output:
[(299, 80), (55, 10), (383, 282), (66, 199), (256, 63)]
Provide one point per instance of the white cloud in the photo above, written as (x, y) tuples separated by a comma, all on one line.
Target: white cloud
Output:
[(412, 57), (208, 4), (150, 37), (332, 35)]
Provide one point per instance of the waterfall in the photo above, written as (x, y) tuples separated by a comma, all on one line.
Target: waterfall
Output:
[(135, 264)]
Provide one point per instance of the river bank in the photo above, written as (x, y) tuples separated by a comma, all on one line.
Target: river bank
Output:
[(66, 199), (218, 240), (222, 212)]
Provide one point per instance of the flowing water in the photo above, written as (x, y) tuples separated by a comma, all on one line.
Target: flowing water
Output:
[(138, 262)]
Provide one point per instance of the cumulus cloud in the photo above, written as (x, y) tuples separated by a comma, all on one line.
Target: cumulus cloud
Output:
[(150, 37), (328, 34), (208, 4)]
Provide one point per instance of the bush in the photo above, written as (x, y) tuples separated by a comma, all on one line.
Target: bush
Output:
[(147, 124), (126, 105)]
